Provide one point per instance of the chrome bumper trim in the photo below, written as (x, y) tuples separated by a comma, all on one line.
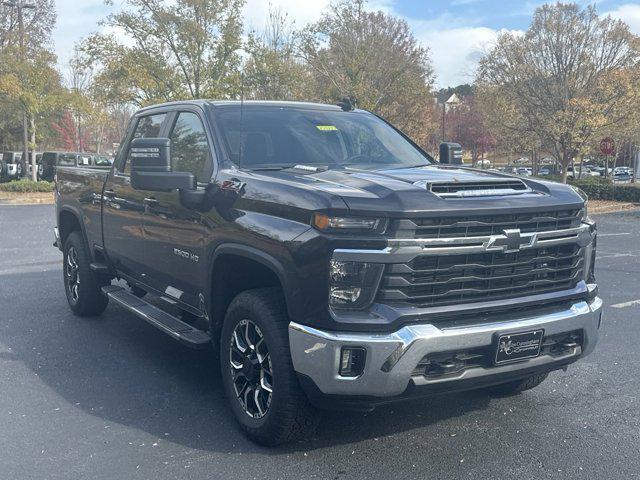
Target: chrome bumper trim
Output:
[(316, 353), (405, 250)]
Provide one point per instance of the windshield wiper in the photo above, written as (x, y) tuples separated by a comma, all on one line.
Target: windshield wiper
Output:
[(271, 167)]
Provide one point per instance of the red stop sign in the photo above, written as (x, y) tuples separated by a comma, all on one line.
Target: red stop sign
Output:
[(607, 146)]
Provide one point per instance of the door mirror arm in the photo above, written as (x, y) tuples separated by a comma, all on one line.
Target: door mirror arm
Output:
[(199, 199)]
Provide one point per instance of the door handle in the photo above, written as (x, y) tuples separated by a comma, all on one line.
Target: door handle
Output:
[(151, 202)]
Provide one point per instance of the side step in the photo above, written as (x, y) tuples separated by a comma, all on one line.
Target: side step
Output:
[(172, 326), (100, 268)]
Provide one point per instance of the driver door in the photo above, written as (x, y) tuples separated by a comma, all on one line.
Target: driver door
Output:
[(174, 235)]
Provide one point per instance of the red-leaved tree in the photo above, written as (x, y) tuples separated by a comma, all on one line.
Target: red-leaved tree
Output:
[(69, 138), (466, 126)]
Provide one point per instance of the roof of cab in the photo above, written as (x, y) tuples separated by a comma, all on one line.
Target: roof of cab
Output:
[(265, 103)]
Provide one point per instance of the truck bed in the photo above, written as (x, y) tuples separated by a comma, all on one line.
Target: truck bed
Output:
[(79, 190)]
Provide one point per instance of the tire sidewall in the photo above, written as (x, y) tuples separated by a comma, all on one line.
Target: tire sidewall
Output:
[(72, 241), (90, 301), (247, 311)]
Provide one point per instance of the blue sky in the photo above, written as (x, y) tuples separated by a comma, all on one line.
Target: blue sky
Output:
[(457, 32)]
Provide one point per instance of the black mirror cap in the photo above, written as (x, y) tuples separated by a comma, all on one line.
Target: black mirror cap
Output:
[(150, 155), (450, 153)]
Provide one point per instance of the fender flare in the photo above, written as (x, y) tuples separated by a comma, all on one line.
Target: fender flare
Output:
[(78, 215), (256, 255)]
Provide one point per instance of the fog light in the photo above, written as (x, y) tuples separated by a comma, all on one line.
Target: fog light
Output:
[(352, 360), (340, 296)]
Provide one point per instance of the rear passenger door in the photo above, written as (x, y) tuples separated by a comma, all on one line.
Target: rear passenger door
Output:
[(174, 235)]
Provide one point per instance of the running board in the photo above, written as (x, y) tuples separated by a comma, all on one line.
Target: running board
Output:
[(100, 268), (172, 326)]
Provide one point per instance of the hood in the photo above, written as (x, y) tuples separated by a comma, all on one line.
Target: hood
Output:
[(407, 191)]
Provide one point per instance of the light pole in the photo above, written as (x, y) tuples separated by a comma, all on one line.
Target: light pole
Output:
[(20, 6)]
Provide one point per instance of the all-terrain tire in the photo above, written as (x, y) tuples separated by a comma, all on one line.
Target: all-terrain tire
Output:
[(518, 386), (81, 284), (289, 415)]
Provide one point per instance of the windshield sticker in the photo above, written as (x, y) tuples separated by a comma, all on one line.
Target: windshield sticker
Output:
[(326, 128)]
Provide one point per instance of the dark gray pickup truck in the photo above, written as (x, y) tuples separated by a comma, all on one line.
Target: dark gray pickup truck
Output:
[(328, 260)]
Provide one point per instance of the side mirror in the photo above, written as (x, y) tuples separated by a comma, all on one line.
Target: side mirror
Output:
[(151, 167), (450, 153)]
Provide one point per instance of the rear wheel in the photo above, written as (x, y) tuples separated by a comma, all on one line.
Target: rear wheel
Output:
[(81, 284), (257, 372), (519, 386)]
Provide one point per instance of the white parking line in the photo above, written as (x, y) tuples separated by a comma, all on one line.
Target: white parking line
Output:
[(615, 255), (626, 304), (612, 234)]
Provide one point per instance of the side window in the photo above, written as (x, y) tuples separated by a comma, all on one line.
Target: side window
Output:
[(189, 147), (67, 160), (147, 127)]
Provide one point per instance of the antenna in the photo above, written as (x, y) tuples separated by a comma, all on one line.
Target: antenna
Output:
[(347, 104), (241, 119)]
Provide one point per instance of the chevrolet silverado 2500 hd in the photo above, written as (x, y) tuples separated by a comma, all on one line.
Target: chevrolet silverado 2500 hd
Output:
[(328, 259)]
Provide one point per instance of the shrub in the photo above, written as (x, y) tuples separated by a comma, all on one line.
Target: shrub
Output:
[(599, 188), (26, 186)]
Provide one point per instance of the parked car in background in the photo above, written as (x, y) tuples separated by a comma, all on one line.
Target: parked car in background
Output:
[(545, 171), (482, 164), (622, 174), (622, 171), (12, 165), (524, 171), (585, 172), (47, 166), (38, 156), (102, 161), (595, 168)]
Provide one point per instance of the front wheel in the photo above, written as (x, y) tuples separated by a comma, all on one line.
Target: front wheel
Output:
[(257, 372), (82, 286)]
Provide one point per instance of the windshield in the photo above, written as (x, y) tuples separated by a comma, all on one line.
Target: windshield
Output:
[(284, 136)]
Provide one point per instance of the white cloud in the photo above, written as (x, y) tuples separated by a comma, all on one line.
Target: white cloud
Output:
[(76, 20), (456, 51), (629, 13), (301, 12)]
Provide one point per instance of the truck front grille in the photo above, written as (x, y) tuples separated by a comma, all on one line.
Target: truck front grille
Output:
[(441, 278)]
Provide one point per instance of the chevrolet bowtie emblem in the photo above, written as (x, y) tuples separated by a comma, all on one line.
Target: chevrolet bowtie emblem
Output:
[(511, 241)]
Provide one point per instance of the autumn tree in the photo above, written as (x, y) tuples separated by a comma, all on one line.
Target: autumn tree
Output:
[(373, 58), (571, 76), (273, 71), (26, 63), (181, 49), (466, 125)]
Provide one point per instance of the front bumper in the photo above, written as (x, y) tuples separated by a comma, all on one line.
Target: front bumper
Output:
[(391, 359)]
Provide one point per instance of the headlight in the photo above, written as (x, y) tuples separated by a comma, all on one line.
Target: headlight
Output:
[(327, 223), (353, 284), (585, 197)]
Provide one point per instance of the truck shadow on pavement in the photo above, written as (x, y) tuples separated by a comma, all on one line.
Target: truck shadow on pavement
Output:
[(125, 374)]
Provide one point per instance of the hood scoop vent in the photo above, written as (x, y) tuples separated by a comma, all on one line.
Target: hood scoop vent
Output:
[(478, 188)]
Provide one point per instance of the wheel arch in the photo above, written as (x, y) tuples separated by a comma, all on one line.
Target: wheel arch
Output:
[(252, 268), (69, 220)]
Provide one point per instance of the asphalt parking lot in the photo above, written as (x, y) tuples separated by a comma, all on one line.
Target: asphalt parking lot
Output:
[(112, 398)]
